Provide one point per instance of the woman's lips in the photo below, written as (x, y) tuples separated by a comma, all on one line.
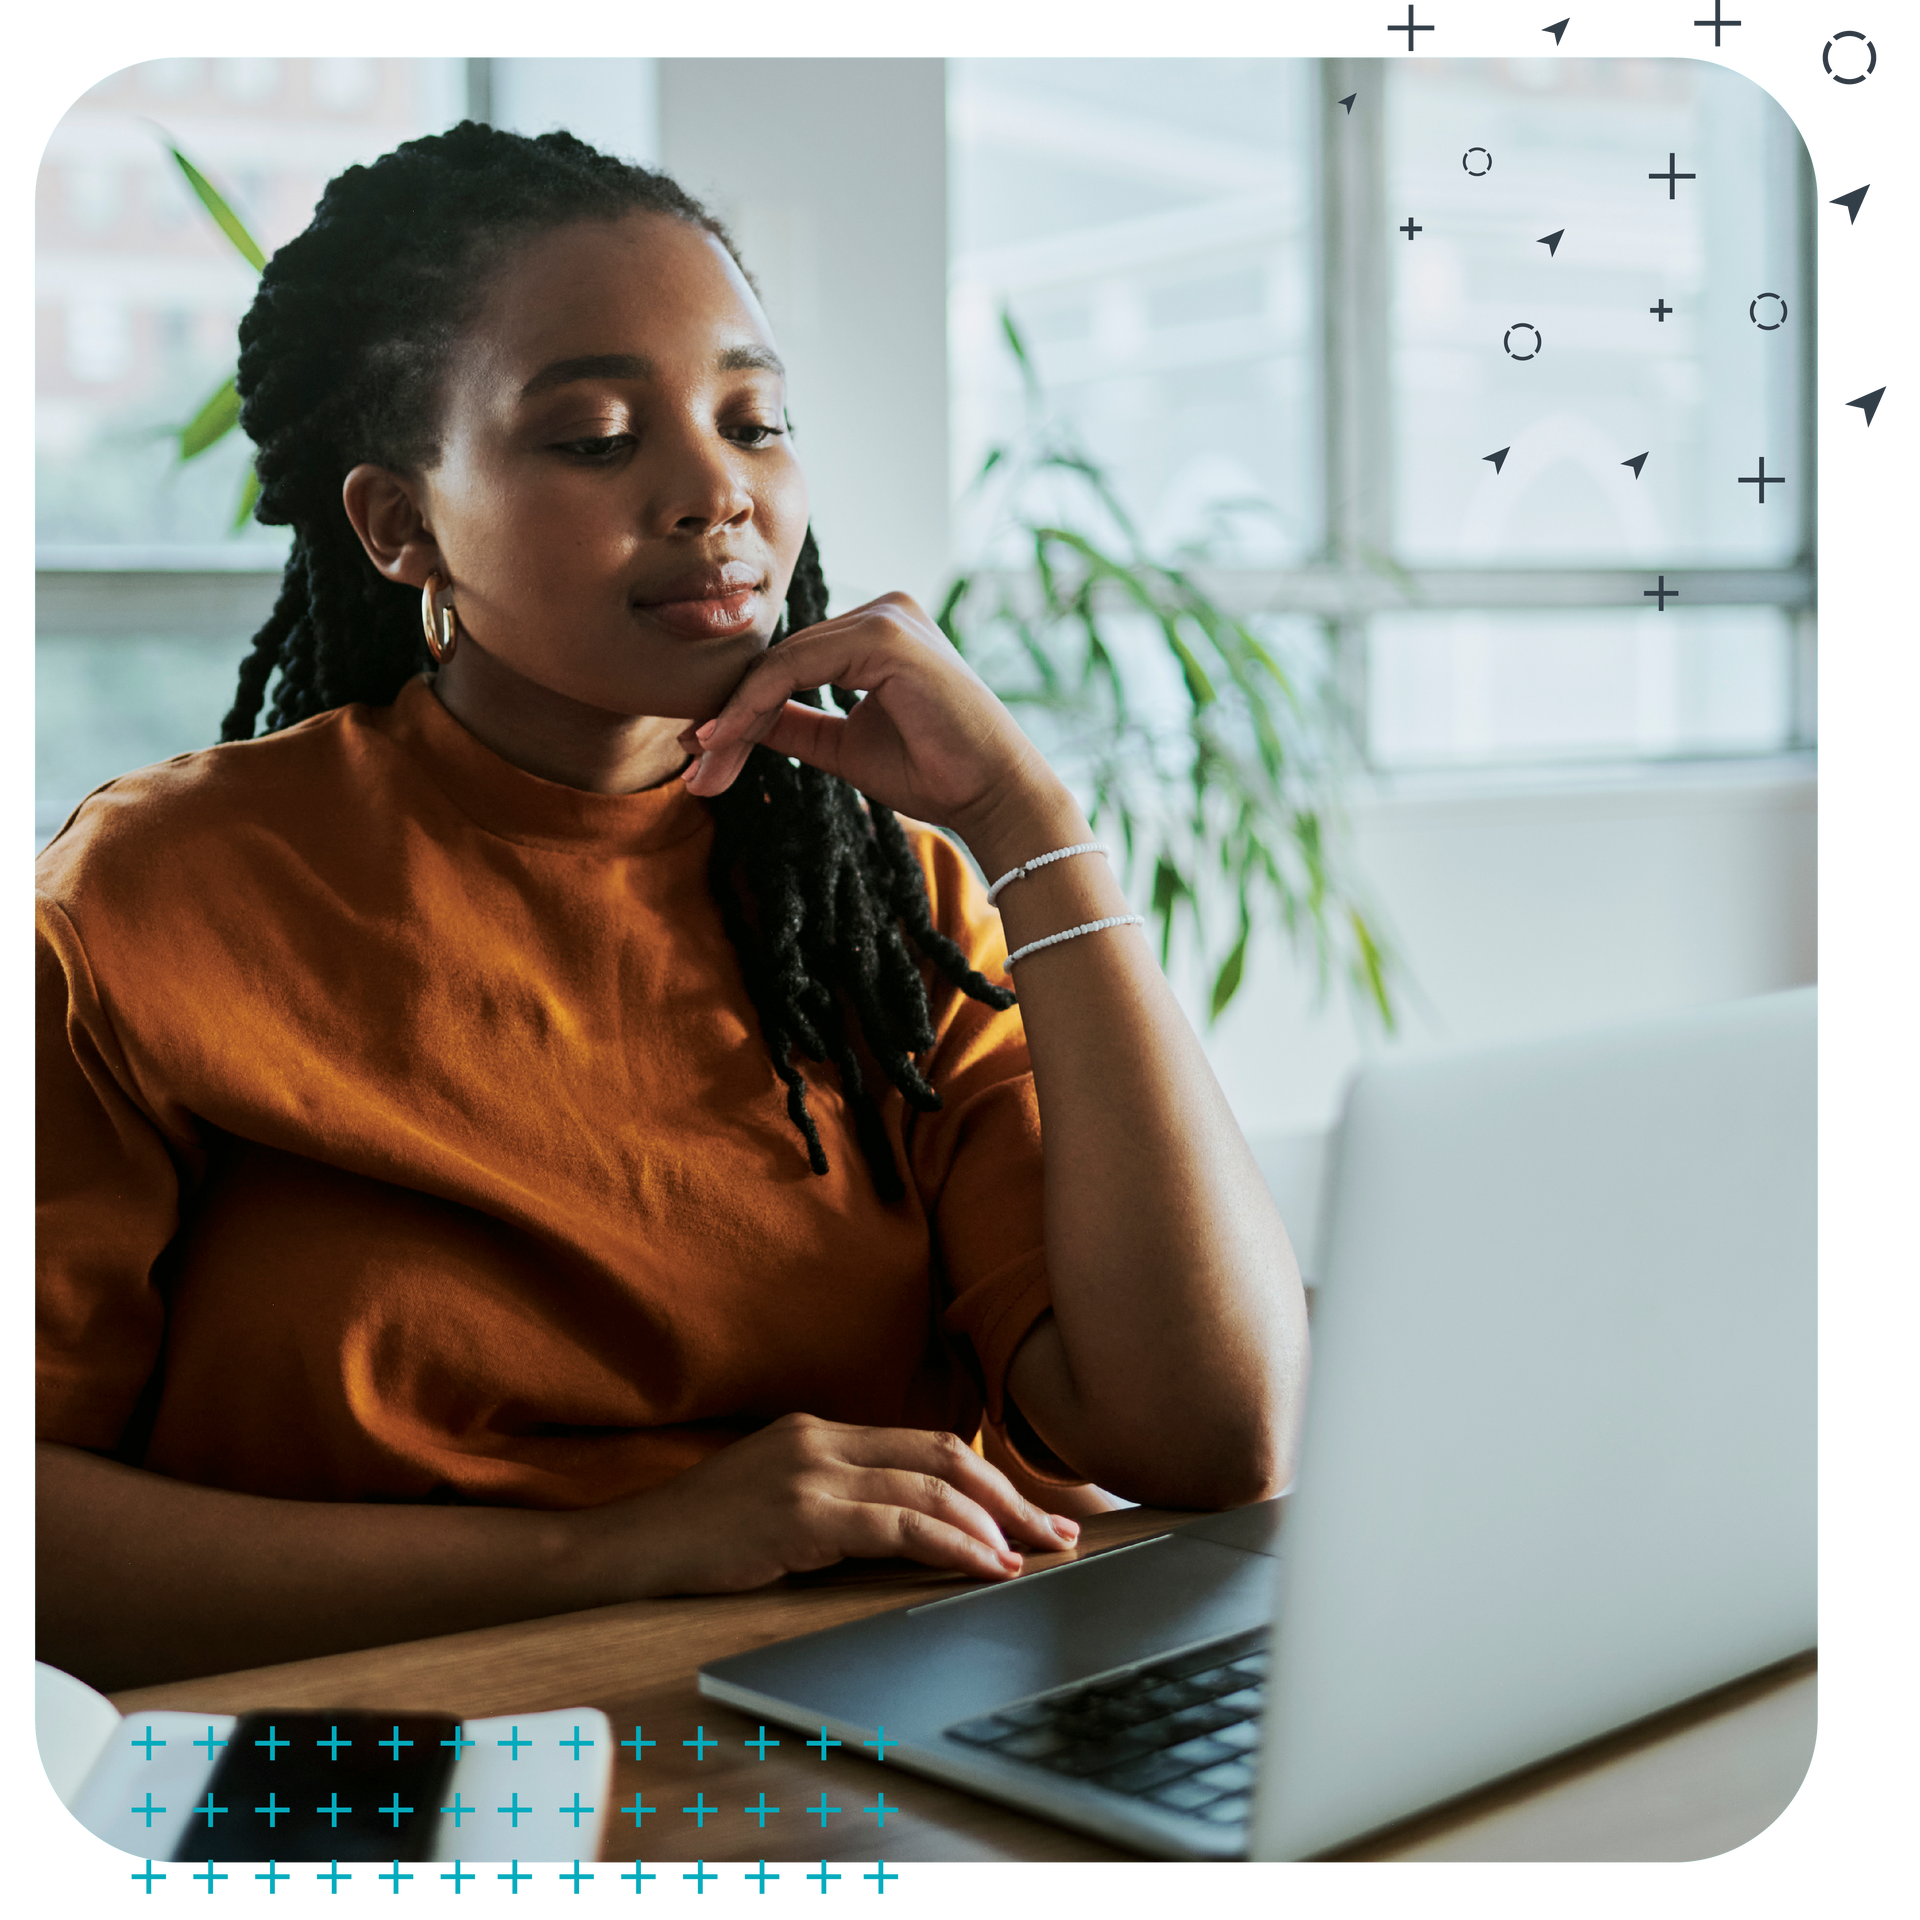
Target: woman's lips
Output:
[(704, 607), (707, 617)]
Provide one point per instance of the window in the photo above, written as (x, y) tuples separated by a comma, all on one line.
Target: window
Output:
[(147, 592), (1296, 332), (139, 297)]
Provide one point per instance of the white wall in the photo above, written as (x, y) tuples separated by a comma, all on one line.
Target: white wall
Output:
[(832, 176), (1538, 909), (611, 104)]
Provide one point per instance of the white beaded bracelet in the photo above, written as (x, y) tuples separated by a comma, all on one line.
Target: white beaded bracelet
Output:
[(1073, 933), (1045, 859)]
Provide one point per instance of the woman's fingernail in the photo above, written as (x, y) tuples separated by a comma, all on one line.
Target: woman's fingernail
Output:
[(1065, 1528), (691, 771), (705, 733)]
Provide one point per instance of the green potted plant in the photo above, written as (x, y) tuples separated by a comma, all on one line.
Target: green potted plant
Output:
[(1229, 797)]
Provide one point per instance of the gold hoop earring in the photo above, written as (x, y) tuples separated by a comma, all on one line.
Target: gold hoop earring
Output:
[(442, 624)]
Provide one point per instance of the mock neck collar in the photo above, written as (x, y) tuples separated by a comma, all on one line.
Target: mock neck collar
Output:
[(517, 805)]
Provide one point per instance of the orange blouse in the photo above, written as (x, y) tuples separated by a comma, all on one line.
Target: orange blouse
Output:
[(406, 1132)]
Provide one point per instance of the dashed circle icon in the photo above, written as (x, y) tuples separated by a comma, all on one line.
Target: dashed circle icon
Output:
[(1849, 57), (1767, 311), (1485, 161), (1522, 340)]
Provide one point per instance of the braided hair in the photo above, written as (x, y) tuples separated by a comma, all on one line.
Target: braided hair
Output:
[(342, 356)]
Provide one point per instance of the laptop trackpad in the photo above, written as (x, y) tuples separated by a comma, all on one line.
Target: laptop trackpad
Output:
[(1127, 1605)]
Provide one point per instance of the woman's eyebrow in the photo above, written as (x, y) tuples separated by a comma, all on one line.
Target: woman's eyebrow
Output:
[(633, 366)]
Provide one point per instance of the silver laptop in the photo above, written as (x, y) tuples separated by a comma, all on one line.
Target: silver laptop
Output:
[(1558, 1473)]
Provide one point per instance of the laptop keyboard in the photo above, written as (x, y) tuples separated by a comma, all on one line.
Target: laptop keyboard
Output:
[(1180, 1733)]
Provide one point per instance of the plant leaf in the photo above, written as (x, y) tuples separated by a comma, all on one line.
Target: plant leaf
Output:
[(218, 416), (224, 216), (1226, 983), (249, 493), (944, 619), (1029, 378), (1372, 966)]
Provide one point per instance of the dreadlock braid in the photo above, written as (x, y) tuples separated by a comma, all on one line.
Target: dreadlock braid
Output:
[(342, 357)]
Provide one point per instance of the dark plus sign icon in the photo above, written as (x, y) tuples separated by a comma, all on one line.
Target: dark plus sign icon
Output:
[(1716, 23), (1763, 480), (1410, 29), (1671, 178), (1661, 311), (1661, 594), (1409, 229)]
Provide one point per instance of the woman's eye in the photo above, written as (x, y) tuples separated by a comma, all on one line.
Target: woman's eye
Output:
[(756, 433), (601, 447)]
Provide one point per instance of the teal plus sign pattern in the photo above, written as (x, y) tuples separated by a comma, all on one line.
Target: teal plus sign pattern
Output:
[(208, 1874), (333, 1743), (823, 1876), (882, 1875), (700, 1742), (699, 1876), (394, 1874), (761, 1876), (637, 1875), (576, 1876), (762, 1744), (515, 1875), (273, 1876)]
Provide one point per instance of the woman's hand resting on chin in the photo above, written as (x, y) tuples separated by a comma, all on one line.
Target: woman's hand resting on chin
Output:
[(929, 740)]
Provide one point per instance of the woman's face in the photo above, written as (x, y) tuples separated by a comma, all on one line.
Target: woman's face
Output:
[(616, 502)]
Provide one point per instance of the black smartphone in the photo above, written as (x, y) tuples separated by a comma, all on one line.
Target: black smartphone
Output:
[(325, 1786)]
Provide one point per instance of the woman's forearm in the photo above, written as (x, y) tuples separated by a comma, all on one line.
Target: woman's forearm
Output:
[(1173, 1364), (141, 1578)]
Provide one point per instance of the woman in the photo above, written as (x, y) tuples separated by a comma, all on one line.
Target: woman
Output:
[(437, 1227)]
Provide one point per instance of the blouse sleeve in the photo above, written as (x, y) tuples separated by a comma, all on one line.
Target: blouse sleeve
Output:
[(977, 1162), (108, 1203)]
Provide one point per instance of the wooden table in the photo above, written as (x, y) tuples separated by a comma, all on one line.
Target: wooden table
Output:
[(1687, 1783)]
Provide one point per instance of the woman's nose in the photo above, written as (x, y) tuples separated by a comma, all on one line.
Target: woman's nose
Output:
[(698, 487)]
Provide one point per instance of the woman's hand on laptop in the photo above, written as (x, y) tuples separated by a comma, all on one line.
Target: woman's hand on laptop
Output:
[(803, 1493)]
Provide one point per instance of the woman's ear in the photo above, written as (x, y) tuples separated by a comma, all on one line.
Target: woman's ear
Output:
[(386, 515)]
